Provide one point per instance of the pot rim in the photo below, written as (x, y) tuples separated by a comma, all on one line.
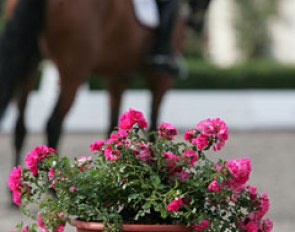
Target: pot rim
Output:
[(131, 227)]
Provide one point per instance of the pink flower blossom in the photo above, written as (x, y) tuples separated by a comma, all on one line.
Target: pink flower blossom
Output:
[(119, 135), (175, 204), (16, 186), (170, 155), (240, 170), (51, 177), (16, 196), (213, 126), (96, 145), (171, 159), (41, 224), (218, 145), (25, 229), (34, 156), (184, 175), (189, 134), (201, 142), (251, 226), (51, 174), (73, 188), (263, 205), (144, 153), (83, 159), (111, 154), (216, 129), (190, 156), (60, 228), (252, 190), (14, 179), (167, 130), (202, 225), (214, 186), (131, 117), (267, 225)]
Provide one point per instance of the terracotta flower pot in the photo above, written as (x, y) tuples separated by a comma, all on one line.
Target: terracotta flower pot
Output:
[(98, 227)]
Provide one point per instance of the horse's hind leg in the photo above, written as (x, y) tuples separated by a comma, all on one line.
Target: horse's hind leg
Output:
[(116, 88), (159, 84), (70, 80), (20, 130)]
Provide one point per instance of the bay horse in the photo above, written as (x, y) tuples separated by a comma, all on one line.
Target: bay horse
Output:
[(82, 38)]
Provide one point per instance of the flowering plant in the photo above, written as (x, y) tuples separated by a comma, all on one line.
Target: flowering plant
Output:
[(131, 179)]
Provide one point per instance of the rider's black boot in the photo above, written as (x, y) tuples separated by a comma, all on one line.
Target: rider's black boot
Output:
[(162, 57)]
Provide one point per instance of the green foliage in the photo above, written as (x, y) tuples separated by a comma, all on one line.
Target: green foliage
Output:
[(255, 74)]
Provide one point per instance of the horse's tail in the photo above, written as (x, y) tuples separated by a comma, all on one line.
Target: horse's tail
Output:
[(19, 49)]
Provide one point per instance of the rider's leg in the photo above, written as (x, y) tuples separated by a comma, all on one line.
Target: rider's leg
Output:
[(162, 56)]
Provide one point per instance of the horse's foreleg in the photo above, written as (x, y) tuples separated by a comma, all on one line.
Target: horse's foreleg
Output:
[(68, 90), (159, 84), (116, 88)]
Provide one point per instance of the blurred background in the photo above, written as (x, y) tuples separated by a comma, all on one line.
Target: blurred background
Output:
[(241, 69)]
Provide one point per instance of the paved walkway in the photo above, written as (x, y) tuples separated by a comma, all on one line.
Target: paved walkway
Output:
[(272, 154)]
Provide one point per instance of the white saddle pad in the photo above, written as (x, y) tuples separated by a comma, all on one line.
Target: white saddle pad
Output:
[(146, 11)]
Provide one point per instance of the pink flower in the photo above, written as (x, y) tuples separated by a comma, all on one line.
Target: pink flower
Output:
[(16, 196), (73, 189), (170, 155), (240, 170), (60, 228), (144, 153), (51, 177), (263, 205), (14, 179), (167, 130), (267, 225), (15, 185), (31, 161), (189, 134), (214, 186), (203, 224), (201, 142), (131, 117), (214, 126), (251, 227), (171, 159), (83, 159), (25, 229), (51, 174), (111, 154), (184, 175), (119, 135), (41, 224), (190, 156), (175, 204), (34, 156), (252, 190), (216, 129), (96, 145)]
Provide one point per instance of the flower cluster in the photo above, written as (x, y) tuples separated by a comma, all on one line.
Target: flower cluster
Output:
[(129, 178)]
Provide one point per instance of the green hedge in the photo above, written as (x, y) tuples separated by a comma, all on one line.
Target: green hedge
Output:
[(259, 74)]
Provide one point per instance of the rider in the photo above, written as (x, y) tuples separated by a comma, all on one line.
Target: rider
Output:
[(162, 58)]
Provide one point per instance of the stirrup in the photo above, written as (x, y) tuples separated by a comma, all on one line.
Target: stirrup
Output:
[(163, 63)]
